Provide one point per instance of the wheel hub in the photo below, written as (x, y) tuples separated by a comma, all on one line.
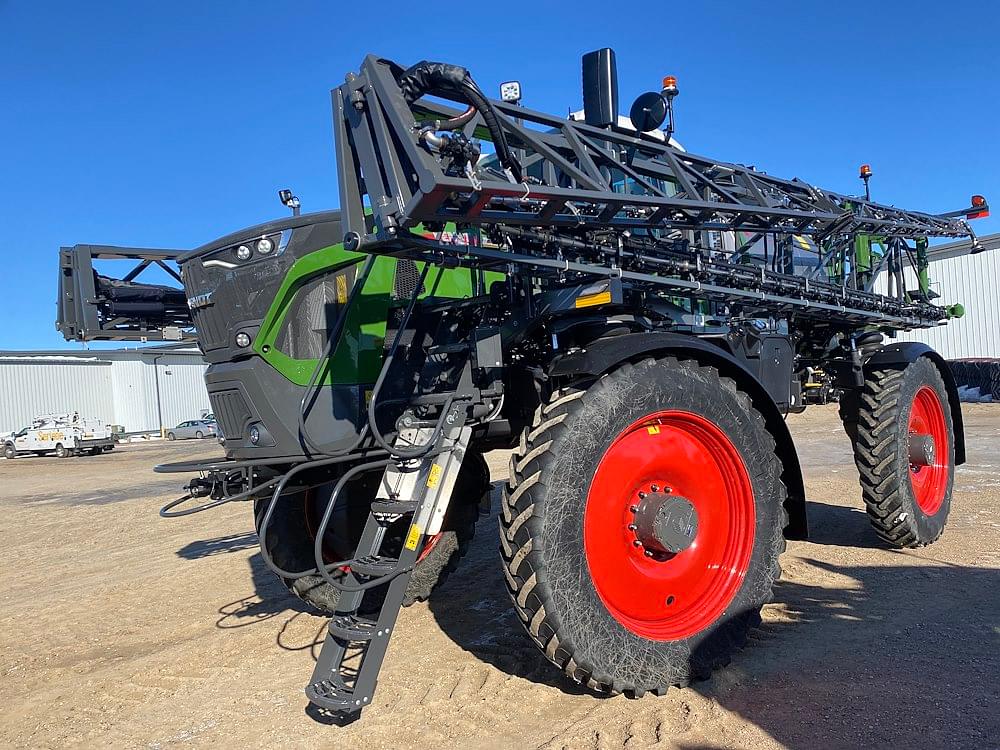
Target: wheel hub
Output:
[(921, 450), (665, 524)]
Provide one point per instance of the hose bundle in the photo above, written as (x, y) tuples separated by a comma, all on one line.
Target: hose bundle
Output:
[(454, 82)]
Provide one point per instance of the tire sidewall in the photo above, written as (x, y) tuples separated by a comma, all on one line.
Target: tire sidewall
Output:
[(923, 372), (615, 403)]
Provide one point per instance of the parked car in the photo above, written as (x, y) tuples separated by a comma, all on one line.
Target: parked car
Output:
[(193, 428)]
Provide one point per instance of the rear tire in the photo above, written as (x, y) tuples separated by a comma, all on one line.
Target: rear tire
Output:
[(592, 599), (171, 436), (907, 502), (199, 434), (290, 538)]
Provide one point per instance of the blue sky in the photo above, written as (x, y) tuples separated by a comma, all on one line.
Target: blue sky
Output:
[(169, 124)]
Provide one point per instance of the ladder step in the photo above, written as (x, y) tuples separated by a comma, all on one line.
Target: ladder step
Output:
[(355, 628), (374, 565), (332, 695), (394, 507)]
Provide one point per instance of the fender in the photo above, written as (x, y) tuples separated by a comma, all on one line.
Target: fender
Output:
[(905, 352), (602, 355)]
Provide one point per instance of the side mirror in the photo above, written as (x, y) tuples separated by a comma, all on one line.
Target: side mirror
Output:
[(648, 111)]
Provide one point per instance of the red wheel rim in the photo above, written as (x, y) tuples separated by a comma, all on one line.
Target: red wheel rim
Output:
[(669, 597), (929, 481)]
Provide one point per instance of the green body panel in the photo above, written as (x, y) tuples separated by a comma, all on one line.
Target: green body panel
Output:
[(923, 278), (863, 252), (358, 356)]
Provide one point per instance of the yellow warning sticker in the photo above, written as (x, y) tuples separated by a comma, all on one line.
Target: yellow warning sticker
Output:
[(341, 289), (435, 476), (653, 429), (413, 537)]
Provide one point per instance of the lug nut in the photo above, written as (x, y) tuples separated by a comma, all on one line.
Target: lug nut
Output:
[(642, 495), (654, 487), (648, 553), (632, 527), (634, 508), (637, 543)]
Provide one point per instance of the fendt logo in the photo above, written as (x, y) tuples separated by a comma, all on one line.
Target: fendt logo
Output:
[(200, 300)]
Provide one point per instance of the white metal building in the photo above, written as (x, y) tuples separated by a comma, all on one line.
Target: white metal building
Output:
[(141, 389), (973, 281)]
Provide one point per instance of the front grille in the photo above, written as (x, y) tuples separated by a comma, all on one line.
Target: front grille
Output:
[(200, 285), (231, 413), (210, 326)]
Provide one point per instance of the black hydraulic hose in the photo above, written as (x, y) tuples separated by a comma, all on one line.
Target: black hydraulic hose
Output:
[(453, 81), (324, 568), (456, 122), (323, 362), (376, 390), (167, 512), (266, 521)]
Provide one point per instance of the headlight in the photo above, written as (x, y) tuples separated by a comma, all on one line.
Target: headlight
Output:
[(243, 252), (265, 245), (254, 434), (242, 340)]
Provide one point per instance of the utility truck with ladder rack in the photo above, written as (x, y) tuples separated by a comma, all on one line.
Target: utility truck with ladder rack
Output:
[(631, 319)]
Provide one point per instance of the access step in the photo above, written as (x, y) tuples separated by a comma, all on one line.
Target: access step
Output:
[(394, 507), (356, 628), (375, 565), (333, 695)]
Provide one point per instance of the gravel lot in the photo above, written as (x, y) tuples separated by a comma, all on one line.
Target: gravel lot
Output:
[(122, 629)]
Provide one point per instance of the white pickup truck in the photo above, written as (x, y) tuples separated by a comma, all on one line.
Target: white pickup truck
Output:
[(64, 435)]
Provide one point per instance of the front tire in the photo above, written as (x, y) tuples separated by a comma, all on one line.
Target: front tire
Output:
[(9, 451), (61, 451), (905, 452), (629, 592)]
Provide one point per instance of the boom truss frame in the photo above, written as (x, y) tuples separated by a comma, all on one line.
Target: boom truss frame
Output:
[(616, 203)]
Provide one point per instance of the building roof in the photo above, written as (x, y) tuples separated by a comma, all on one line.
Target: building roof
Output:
[(962, 247), (99, 355)]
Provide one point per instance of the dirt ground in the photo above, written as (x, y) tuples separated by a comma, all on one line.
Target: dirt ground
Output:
[(121, 629)]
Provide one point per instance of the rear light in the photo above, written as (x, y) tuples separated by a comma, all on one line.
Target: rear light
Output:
[(978, 202)]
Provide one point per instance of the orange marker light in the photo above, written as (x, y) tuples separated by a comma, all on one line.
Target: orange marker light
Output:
[(865, 171), (669, 82), (979, 202)]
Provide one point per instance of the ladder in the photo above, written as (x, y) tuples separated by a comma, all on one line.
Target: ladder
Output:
[(419, 488)]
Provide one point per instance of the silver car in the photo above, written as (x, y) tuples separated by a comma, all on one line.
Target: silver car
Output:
[(193, 428)]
